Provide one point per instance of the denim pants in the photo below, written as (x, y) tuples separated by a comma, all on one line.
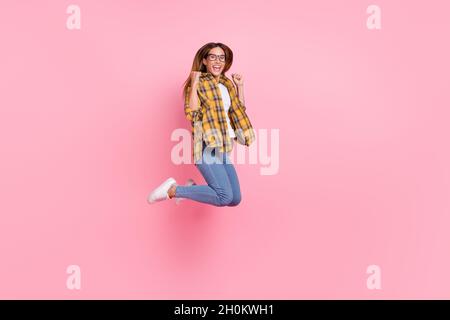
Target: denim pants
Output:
[(222, 187)]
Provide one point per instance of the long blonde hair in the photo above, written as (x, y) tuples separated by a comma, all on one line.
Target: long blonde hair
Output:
[(198, 65)]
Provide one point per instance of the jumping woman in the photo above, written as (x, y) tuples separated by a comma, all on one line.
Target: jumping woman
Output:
[(217, 112)]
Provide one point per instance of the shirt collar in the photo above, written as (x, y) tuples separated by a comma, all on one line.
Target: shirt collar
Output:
[(209, 76)]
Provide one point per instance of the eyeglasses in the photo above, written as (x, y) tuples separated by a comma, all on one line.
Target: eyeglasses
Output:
[(213, 57)]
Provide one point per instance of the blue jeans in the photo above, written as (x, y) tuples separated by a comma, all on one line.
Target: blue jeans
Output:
[(222, 187)]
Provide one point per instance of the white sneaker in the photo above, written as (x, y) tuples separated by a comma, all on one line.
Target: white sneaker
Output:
[(160, 193), (189, 182)]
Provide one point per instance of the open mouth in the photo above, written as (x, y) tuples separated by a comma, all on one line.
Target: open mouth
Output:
[(216, 68)]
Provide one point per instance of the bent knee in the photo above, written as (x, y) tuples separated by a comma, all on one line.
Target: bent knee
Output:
[(235, 201), (225, 198)]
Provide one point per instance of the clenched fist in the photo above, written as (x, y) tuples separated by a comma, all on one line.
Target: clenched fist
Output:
[(238, 79), (195, 75)]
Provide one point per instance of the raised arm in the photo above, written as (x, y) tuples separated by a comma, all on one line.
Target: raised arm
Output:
[(238, 80), (192, 102), (240, 90)]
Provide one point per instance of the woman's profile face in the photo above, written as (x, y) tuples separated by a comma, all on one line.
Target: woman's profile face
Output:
[(215, 61)]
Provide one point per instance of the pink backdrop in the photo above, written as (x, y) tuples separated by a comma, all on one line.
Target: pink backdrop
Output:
[(364, 172)]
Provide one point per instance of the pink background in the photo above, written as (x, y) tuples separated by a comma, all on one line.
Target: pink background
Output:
[(364, 178)]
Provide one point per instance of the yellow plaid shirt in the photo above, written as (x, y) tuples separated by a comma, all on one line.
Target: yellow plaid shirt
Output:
[(209, 123)]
